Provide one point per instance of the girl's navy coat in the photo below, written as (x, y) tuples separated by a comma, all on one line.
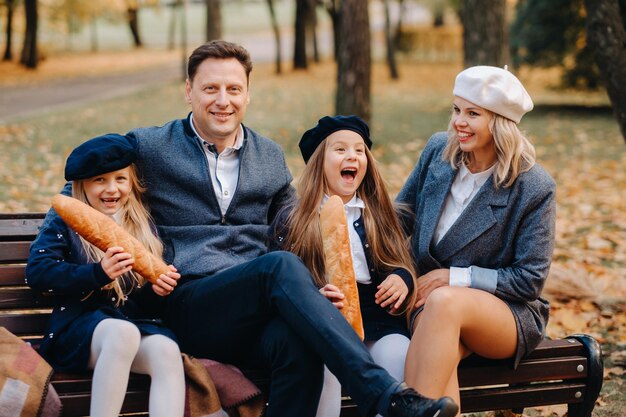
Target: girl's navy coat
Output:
[(57, 266), (377, 322)]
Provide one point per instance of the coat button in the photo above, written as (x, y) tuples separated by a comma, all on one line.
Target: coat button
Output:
[(356, 224), (62, 308), (367, 245), (51, 335)]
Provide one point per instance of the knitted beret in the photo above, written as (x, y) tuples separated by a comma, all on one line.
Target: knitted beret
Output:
[(494, 89), (98, 156), (330, 124)]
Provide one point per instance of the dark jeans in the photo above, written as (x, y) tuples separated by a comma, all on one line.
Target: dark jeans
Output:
[(268, 310)]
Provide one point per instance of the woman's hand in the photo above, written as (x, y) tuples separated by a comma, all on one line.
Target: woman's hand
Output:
[(116, 262), (333, 294), (166, 283), (430, 281), (391, 293)]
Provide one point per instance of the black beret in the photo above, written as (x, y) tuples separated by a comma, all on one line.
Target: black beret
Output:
[(98, 156), (330, 124)]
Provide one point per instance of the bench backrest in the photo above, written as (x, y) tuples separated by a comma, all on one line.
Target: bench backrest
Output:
[(22, 311)]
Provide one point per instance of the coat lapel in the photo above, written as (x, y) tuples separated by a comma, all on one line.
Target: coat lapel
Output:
[(476, 219), (435, 191)]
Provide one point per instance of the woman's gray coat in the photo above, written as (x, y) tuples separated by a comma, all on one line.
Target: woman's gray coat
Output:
[(506, 235)]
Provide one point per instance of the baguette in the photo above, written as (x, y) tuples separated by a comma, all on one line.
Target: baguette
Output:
[(338, 260), (102, 232)]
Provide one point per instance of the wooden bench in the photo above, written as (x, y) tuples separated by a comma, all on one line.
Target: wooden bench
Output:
[(564, 371)]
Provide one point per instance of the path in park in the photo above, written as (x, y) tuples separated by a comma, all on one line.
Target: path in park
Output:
[(30, 99)]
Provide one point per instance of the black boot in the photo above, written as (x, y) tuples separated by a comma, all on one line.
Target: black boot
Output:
[(408, 403)]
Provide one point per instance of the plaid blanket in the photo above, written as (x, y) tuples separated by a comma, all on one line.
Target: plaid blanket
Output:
[(25, 389), (215, 389)]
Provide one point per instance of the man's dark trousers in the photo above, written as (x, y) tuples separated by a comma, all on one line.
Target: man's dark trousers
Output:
[(268, 311)]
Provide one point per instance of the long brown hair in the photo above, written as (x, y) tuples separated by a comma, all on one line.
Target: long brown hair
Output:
[(389, 246), (136, 220)]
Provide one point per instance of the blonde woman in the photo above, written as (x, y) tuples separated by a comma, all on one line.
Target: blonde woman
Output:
[(339, 162), (105, 315), (483, 236)]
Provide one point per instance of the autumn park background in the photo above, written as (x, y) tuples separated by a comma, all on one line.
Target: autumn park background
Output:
[(89, 73)]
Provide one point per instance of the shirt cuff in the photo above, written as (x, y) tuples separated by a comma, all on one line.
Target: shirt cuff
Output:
[(460, 277), (484, 279)]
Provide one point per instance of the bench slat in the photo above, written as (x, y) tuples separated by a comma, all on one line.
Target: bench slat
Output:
[(23, 298), (12, 275), (14, 252), (25, 324), (529, 396), (527, 371), (26, 224)]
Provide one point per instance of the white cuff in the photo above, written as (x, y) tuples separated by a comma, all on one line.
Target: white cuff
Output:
[(460, 277)]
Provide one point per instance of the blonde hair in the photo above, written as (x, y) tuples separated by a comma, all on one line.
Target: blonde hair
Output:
[(514, 152), (136, 220), (389, 246)]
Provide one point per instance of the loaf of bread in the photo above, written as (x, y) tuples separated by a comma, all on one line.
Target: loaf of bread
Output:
[(102, 232), (338, 260)]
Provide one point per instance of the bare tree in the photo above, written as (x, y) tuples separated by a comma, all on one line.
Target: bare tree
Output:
[(276, 29), (332, 7), (132, 16), (354, 61), (300, 60), (30, 56), (390, 44), (8, 51), (213, 20), (606, 37), (484, 32)]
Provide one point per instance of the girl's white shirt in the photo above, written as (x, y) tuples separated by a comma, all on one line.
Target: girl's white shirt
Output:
[(353, 210)]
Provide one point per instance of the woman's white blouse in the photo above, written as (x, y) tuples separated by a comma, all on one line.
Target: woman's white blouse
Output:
[(464, 188)]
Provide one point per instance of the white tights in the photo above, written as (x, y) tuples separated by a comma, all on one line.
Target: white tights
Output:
[(117, 348), (389, 352)]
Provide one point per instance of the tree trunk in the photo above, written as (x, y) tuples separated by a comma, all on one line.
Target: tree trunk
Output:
[(312, 29), (213, 20), (171, 33), (484, 32), (333, 11), (299, 47), (606, 36), (276, 29), (30, 58), (8, 51), (132, 13), (390, 44), (94, 34), (354, 61)]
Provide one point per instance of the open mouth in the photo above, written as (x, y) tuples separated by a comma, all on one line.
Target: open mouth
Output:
[(110, 201), (348, 174)]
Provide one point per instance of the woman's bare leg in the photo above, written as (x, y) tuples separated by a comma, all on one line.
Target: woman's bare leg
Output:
[(455, 322)]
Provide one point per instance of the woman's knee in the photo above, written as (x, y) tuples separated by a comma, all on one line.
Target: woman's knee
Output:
[(444, 302)]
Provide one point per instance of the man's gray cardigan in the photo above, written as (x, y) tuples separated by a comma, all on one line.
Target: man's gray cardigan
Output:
[(506, 235), (198, 240)]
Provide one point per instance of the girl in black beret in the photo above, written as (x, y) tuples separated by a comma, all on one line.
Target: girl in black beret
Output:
[(105, 314), (339, 162)]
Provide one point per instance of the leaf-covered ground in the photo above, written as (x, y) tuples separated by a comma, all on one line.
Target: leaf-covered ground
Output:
[(576, 138)]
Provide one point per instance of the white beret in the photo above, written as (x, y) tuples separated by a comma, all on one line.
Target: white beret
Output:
[(494, 89)]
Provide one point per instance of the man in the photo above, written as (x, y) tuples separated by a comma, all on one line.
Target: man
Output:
[(213, 186)]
